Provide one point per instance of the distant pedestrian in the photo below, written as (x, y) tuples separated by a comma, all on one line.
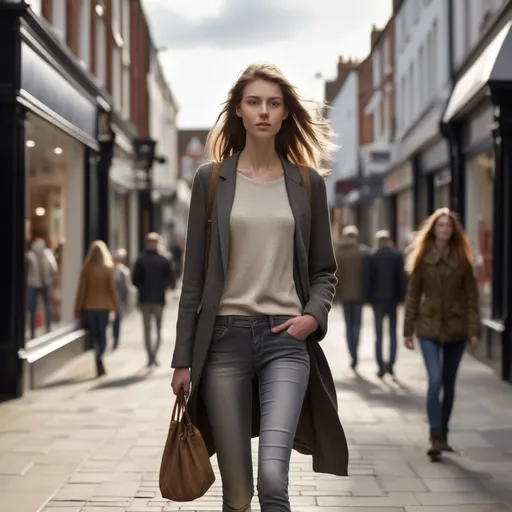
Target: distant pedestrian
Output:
[(442, 310), (152, 276), (96, 297), (122, 276), (385, 289), (256, 295), (350, 289), (41, 270)]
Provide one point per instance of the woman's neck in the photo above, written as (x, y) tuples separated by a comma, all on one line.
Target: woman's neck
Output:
[(259, 157), (441, 245)]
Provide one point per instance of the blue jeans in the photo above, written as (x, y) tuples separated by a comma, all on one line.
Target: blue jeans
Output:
[(380, 311), (96, 322), (353, 312), (442, 361), (116, 326), (32, 295)]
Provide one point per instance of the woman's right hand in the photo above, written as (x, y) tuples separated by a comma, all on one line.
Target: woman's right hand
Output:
[(181, 379), (409, 342)]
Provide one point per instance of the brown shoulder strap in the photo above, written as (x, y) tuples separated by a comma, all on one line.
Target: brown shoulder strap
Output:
[(304, 174), (209, 208)]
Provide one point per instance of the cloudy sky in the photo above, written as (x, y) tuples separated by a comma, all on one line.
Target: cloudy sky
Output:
[(207, 43)]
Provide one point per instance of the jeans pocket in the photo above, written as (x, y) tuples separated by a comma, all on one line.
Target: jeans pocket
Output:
[(219, 331), (295, 337)]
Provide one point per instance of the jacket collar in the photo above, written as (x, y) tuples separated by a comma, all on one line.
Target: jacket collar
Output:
[(434, 256)]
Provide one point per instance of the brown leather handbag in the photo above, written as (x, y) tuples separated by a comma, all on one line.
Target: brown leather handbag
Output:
[(185, 471)]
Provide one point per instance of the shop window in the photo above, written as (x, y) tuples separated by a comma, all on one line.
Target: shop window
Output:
[(126, 92), (101, 50), (54, 226), (479, 222), (116, 78)]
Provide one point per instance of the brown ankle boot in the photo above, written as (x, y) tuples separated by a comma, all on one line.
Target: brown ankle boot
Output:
[(445, 447), (435, 450)]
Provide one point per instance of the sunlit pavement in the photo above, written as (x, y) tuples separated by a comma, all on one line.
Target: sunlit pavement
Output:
[(88, 445)]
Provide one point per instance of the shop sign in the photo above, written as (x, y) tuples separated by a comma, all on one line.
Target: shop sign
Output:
[(399, 179)]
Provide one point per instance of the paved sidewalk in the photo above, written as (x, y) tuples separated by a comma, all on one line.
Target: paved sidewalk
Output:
[(88, 445)]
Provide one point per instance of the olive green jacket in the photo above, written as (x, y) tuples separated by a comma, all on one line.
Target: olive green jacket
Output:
[(442, 300)]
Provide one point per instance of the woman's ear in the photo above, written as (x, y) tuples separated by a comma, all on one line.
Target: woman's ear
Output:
[(238, 111), (285, 115)]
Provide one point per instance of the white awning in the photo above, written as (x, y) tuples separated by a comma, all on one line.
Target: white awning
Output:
[(493, 64)]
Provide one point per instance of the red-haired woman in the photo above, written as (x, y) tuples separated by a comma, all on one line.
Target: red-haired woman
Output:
[(441, 309)]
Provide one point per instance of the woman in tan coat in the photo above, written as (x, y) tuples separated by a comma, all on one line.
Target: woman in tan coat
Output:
[(97, 297), (442, 310)]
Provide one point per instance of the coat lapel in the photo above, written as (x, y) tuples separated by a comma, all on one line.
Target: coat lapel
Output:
[(224, 198)]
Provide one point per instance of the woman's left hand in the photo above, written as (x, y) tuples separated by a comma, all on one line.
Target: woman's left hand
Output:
[(473, 343), (298, 326)]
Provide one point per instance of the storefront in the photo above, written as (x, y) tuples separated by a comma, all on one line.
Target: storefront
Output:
[(478, 126), (123, 203), (398, 190), (435, 178), (53, 193)]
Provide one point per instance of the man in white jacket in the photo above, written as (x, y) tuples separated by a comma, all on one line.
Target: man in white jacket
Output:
[(41, 268)]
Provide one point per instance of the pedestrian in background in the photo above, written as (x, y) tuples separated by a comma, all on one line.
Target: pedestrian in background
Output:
[(41, 270), (385, 289), (442, 310), (249, 325), (96, 297), (152, 276), (350, 289), (122, 276)]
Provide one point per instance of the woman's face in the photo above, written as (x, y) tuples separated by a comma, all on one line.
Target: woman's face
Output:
[(262, 109), (443, 228)]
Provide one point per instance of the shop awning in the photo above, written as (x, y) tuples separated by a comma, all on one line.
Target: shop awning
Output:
[(493, 65)]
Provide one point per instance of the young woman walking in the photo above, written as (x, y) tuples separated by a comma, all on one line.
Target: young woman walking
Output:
[(441, 308), (249, 325), (96, 297)]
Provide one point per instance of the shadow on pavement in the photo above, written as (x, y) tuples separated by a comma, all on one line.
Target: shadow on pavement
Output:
[(70, 381), (500, 489), (391, 393), (122, 382)]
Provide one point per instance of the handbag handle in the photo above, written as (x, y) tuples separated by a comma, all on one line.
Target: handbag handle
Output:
[(179, 411)]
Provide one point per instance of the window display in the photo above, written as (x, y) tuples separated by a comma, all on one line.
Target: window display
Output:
[(480, 195), (54, 226)]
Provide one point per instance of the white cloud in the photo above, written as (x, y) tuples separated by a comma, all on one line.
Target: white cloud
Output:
[(202, 69)]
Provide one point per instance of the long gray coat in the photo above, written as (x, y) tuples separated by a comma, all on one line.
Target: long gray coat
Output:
[(319, 432)]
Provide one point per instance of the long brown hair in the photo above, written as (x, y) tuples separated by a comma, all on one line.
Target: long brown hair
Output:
[(98, 254), (304, 139), (460, 248)]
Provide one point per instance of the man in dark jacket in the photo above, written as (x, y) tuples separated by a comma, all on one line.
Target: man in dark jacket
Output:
[(385, 289), (152, 275)]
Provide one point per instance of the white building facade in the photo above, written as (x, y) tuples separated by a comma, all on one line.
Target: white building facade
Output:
[(419, 177), (344, 118)]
